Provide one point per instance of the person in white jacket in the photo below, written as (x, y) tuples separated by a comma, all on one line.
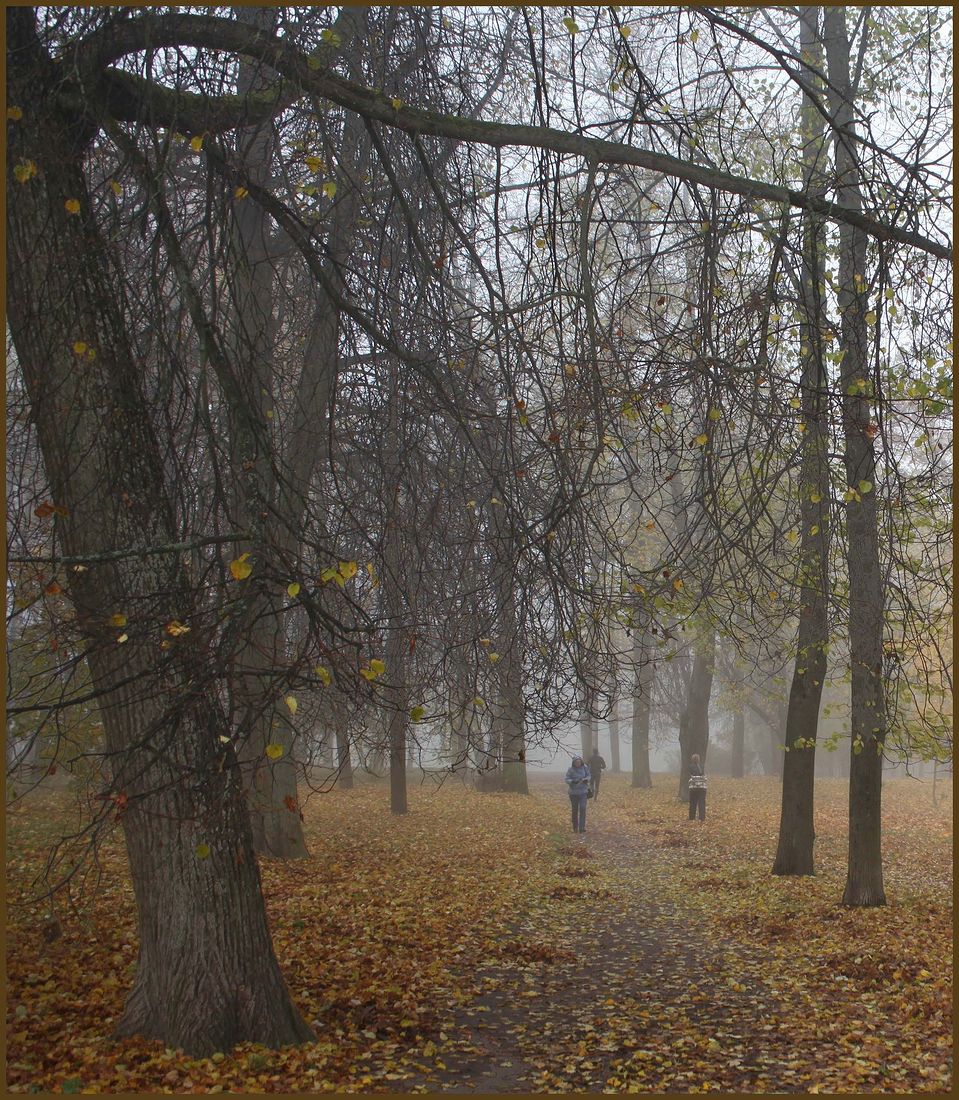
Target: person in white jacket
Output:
[(697, 788)]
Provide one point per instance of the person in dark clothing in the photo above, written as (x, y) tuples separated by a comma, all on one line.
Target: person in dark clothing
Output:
[(697, 788), (596, 765), (577, 779)]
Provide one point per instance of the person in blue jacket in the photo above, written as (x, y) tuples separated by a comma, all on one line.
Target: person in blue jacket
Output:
[(577, 779)]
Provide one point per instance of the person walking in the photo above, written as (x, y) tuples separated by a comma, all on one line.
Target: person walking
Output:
[(577, 780), (697, 788), (596, 765)]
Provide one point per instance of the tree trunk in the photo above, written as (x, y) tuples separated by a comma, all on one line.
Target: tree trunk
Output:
[(868, 706), (511, 714), (738, 764), (343, 758), (207, 976), (274, 810), (794, 855), (614, 736), (398, 719), (694, 723), (644, 676)]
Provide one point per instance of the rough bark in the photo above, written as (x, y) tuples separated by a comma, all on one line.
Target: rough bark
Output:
[(694, 722), (511, 711), (207, 976), (794, 854), (614, 735), (344, 760), (644, 676), (274, 810), (737, 761), (868, 706)]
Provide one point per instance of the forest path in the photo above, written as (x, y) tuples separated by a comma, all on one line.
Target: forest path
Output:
[(605, 981)]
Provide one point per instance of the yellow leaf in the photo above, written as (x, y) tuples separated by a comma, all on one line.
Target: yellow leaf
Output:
[(14, 114), (314, 163), (625, 31), (639, 590), (773, 595), (176, 628), (118, 620), (291, 704), (540, 242), (367, 674), (795, 403), (116, 188), (347, 569), (24, 171), (241, 568), (715, 414), (324, 675), (677, 584), (494, 657), (416, 713), (792, 536), (274, 751), (196, 143), (693, 36), (815, 497), (571, 25), (396, 103), (123, 638), (377, 666), (479, 701), (814, 530), (79, 347), (202, 851), (72, 206), (484, 641), (702, 440), (329, 189), (240, 193), (331, 37), (293, 590)]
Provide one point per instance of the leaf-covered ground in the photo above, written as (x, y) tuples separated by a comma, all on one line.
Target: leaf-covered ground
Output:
[(478, 945)]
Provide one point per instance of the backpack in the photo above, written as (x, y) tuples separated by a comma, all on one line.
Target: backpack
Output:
[(697, 782)]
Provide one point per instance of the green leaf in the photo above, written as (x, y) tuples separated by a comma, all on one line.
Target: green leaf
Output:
[(571, 25)]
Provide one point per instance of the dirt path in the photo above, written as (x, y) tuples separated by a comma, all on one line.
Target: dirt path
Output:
[(604, 980)]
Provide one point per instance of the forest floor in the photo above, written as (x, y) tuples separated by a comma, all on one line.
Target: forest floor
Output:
[(478, 945)]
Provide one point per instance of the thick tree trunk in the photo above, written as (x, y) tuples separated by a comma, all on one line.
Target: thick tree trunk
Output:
[(207, 976), (274, 810), (587, 724), (511, 715), (614, 735), (644, 675), (513, 718), (794, 855), (694, 723), (344, 760), (738, 762), (868, 708)]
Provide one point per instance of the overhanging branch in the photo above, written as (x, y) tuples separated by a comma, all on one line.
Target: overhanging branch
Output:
[(128, 96)]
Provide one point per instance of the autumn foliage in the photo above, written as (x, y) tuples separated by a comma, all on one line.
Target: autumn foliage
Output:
[(477, 939)]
